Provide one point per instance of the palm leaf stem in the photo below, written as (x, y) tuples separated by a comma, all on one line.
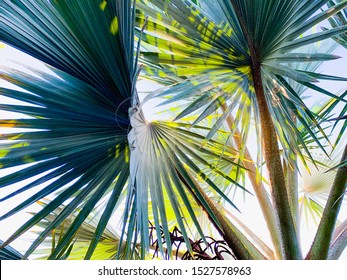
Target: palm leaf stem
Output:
[(238, 243), (268, 252), (291, 176), (320, 246), (271, 151), (276, 175), (258, 187), (339, 241)]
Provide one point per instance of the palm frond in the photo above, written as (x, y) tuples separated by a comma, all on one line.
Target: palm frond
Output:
[(68, 35), (106, 249), (212, 55), (71, 135)]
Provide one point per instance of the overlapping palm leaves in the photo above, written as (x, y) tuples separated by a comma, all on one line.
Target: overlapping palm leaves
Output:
[(189, 42), (340, 19), (79, 116), (238, 52), (106, 249)]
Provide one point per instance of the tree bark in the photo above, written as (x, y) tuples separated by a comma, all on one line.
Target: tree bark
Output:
[(272, 156)]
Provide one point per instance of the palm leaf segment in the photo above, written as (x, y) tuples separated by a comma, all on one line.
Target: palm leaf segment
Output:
[(106, 249), (208, 47), (76, 124), (9, 253), (340, 19)]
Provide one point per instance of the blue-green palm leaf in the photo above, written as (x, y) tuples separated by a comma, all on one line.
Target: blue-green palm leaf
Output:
[(73, 137), (90, 40), (78, 118)]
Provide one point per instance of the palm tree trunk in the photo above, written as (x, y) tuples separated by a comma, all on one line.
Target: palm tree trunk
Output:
[(273, 162), (292, 189), (291, 175), (320, 246), (279, 193)]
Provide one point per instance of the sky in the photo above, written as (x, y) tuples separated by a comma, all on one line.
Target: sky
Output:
[(9, 58)]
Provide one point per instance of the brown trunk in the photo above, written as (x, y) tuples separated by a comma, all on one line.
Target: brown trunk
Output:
[(275, 169)]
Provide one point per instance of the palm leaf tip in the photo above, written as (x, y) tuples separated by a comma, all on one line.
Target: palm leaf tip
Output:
[(9, 253)]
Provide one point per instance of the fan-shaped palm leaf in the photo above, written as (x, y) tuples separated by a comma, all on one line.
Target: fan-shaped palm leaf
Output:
[(78, 120), (317, 184), (78, 142)]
